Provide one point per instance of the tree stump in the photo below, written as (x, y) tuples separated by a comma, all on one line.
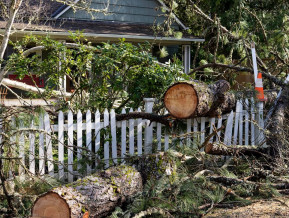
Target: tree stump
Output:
[(93, 196)]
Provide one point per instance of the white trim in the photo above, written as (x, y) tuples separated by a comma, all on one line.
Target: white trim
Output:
[(186, 58), (117, 36), (65, 9)]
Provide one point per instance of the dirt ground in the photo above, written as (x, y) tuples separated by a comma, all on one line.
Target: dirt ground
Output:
[(276, 207)]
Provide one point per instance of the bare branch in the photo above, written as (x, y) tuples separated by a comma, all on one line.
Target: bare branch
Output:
[(29, 88), (15, 5)]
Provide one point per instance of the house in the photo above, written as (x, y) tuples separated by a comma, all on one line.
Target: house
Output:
[(129, 19)]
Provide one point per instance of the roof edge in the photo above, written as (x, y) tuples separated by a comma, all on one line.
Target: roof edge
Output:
[(119, 36)]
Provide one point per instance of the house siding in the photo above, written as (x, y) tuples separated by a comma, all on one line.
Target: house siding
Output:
[(124, 11)]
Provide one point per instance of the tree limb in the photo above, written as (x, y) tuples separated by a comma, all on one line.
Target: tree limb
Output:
[(29, 88), (242, 69), (230, 34)]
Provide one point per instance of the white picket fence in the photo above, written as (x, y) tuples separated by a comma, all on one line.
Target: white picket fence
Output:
[(71, 148)]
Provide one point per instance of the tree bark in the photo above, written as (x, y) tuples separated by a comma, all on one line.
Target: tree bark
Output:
[(277, 138), (93, 196)]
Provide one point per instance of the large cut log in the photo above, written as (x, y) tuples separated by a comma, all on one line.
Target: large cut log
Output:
[(93, 196), (194, 98)]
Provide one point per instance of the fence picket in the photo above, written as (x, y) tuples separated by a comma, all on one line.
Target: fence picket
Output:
[(149, 103), (70, 146), (196, 135), (97, 136), (113, 136), (252, 121), (21, 148), (203, 129), (32, 149), (228, 131), (166, 145), (246, 122), (159, 136), (236, 123), (48, 142), (106, 139), (123, 136), (241, 124), (189, 130), (60, 146), (220, 120), (79, 138), (139, 135), (212, 124), (261, 136), (41, 146), (131, 135), (166, 141), (181, 138), (13, 143), (88, 140)]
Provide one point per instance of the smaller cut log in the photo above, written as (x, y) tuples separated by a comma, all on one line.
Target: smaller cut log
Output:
[(222, 149), (93, 196)]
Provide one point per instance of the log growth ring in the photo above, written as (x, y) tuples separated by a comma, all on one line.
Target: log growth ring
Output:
[(50, 205), (181, 100)]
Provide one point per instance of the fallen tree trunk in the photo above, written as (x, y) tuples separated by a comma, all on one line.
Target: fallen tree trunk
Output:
[(194, 99), (222, 149), (277, 137), (93, 196)]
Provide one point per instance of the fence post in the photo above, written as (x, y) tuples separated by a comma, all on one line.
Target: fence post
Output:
[(149, 103)]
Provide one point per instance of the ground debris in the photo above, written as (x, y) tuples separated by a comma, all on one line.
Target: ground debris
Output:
[(276, 207)]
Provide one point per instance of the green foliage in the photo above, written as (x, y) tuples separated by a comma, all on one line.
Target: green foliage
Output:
[(263, 22), (99, 75), (178, 194), (34, 185)]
